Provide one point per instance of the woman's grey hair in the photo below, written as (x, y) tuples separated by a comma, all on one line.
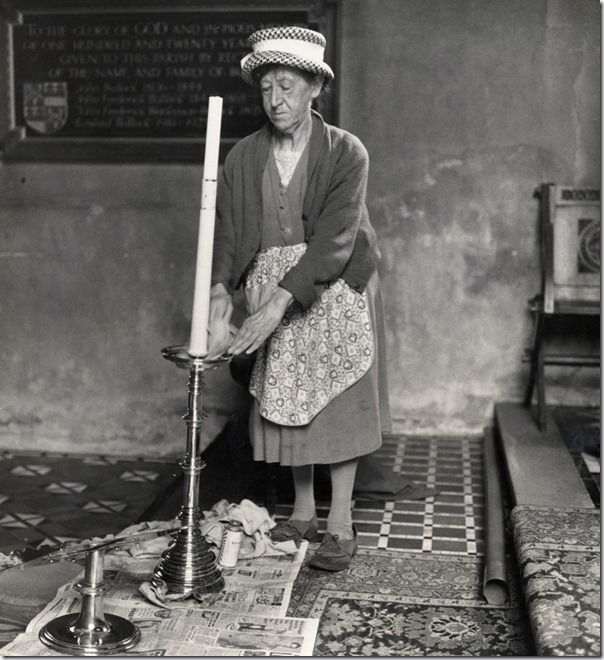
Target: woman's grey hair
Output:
[(310, 77)]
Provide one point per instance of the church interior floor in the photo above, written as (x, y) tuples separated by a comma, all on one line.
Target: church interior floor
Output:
[(415, 587), (48, 498), (452, 522)]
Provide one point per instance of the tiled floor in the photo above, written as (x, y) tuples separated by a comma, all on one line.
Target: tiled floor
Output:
[(50, 498), (452, 522)]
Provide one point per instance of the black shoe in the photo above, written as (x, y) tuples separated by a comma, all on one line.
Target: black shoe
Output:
[(335, 554)]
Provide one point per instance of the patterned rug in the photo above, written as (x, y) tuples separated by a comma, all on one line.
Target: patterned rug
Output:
[(414, 589), (559, 555), (391, 603)]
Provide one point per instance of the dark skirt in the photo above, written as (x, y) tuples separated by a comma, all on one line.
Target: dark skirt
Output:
[(351, 424)]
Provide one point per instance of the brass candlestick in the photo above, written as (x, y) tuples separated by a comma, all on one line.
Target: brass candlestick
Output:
[(189, 563), (91, 632)]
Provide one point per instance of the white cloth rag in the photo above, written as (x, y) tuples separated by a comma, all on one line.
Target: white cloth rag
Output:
[(256, 523)]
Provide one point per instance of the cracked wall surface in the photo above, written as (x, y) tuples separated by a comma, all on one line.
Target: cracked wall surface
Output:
[(465, 108)]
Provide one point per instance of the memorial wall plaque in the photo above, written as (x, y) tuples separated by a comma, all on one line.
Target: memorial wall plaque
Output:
[(131, 81)]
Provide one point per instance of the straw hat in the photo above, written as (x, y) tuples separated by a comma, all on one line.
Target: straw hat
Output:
[(290, 46)]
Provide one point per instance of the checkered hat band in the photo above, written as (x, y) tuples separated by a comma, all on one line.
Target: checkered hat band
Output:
[(302, 49), (298, 33), (254, 60)]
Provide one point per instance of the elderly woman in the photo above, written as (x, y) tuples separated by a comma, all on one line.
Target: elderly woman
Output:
[(293, 230)]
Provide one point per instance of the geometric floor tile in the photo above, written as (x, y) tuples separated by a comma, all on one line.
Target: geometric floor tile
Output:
[(451, 522), (66, 487), (76, 497), (40, 488), (139, 475), (57, 540), (415, 588), (105, 506), (100, 460), (21, 520), (30, 470)]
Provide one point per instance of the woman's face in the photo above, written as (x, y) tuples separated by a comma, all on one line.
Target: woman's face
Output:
[(287, 96)]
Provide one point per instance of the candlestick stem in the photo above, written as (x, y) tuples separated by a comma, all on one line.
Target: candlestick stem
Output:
[(91, 631), (189, 563)]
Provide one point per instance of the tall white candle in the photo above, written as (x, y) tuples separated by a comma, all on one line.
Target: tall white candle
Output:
[(198, 344)]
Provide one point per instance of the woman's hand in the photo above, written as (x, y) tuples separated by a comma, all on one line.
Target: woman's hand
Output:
[(221, 309), (221, 304), (260, 325)]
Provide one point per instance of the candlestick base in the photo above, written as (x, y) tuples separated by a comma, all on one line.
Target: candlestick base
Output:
[(114, 635), (189, 564), (90, 631)]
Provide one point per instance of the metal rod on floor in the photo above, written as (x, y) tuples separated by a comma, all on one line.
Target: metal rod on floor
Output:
[(495, 588)]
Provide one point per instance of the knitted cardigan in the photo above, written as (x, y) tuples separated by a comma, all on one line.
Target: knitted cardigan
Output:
[(340, 239)]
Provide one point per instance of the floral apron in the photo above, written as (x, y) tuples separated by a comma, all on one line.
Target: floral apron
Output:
[(313, 355)]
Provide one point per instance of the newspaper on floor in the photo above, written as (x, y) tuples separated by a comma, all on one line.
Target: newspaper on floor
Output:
[(261, 585), (246, 618), (186, 632)]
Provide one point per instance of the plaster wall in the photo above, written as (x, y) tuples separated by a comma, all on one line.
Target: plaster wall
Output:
[(464, 105), (465, 108)]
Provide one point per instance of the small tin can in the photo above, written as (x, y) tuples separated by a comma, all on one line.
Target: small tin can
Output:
[(230, 544)]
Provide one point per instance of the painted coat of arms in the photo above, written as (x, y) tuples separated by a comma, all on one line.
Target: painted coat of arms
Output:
[(45, 106)]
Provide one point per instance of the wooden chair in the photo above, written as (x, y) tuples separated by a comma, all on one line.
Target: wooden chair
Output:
[(569, 221)]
